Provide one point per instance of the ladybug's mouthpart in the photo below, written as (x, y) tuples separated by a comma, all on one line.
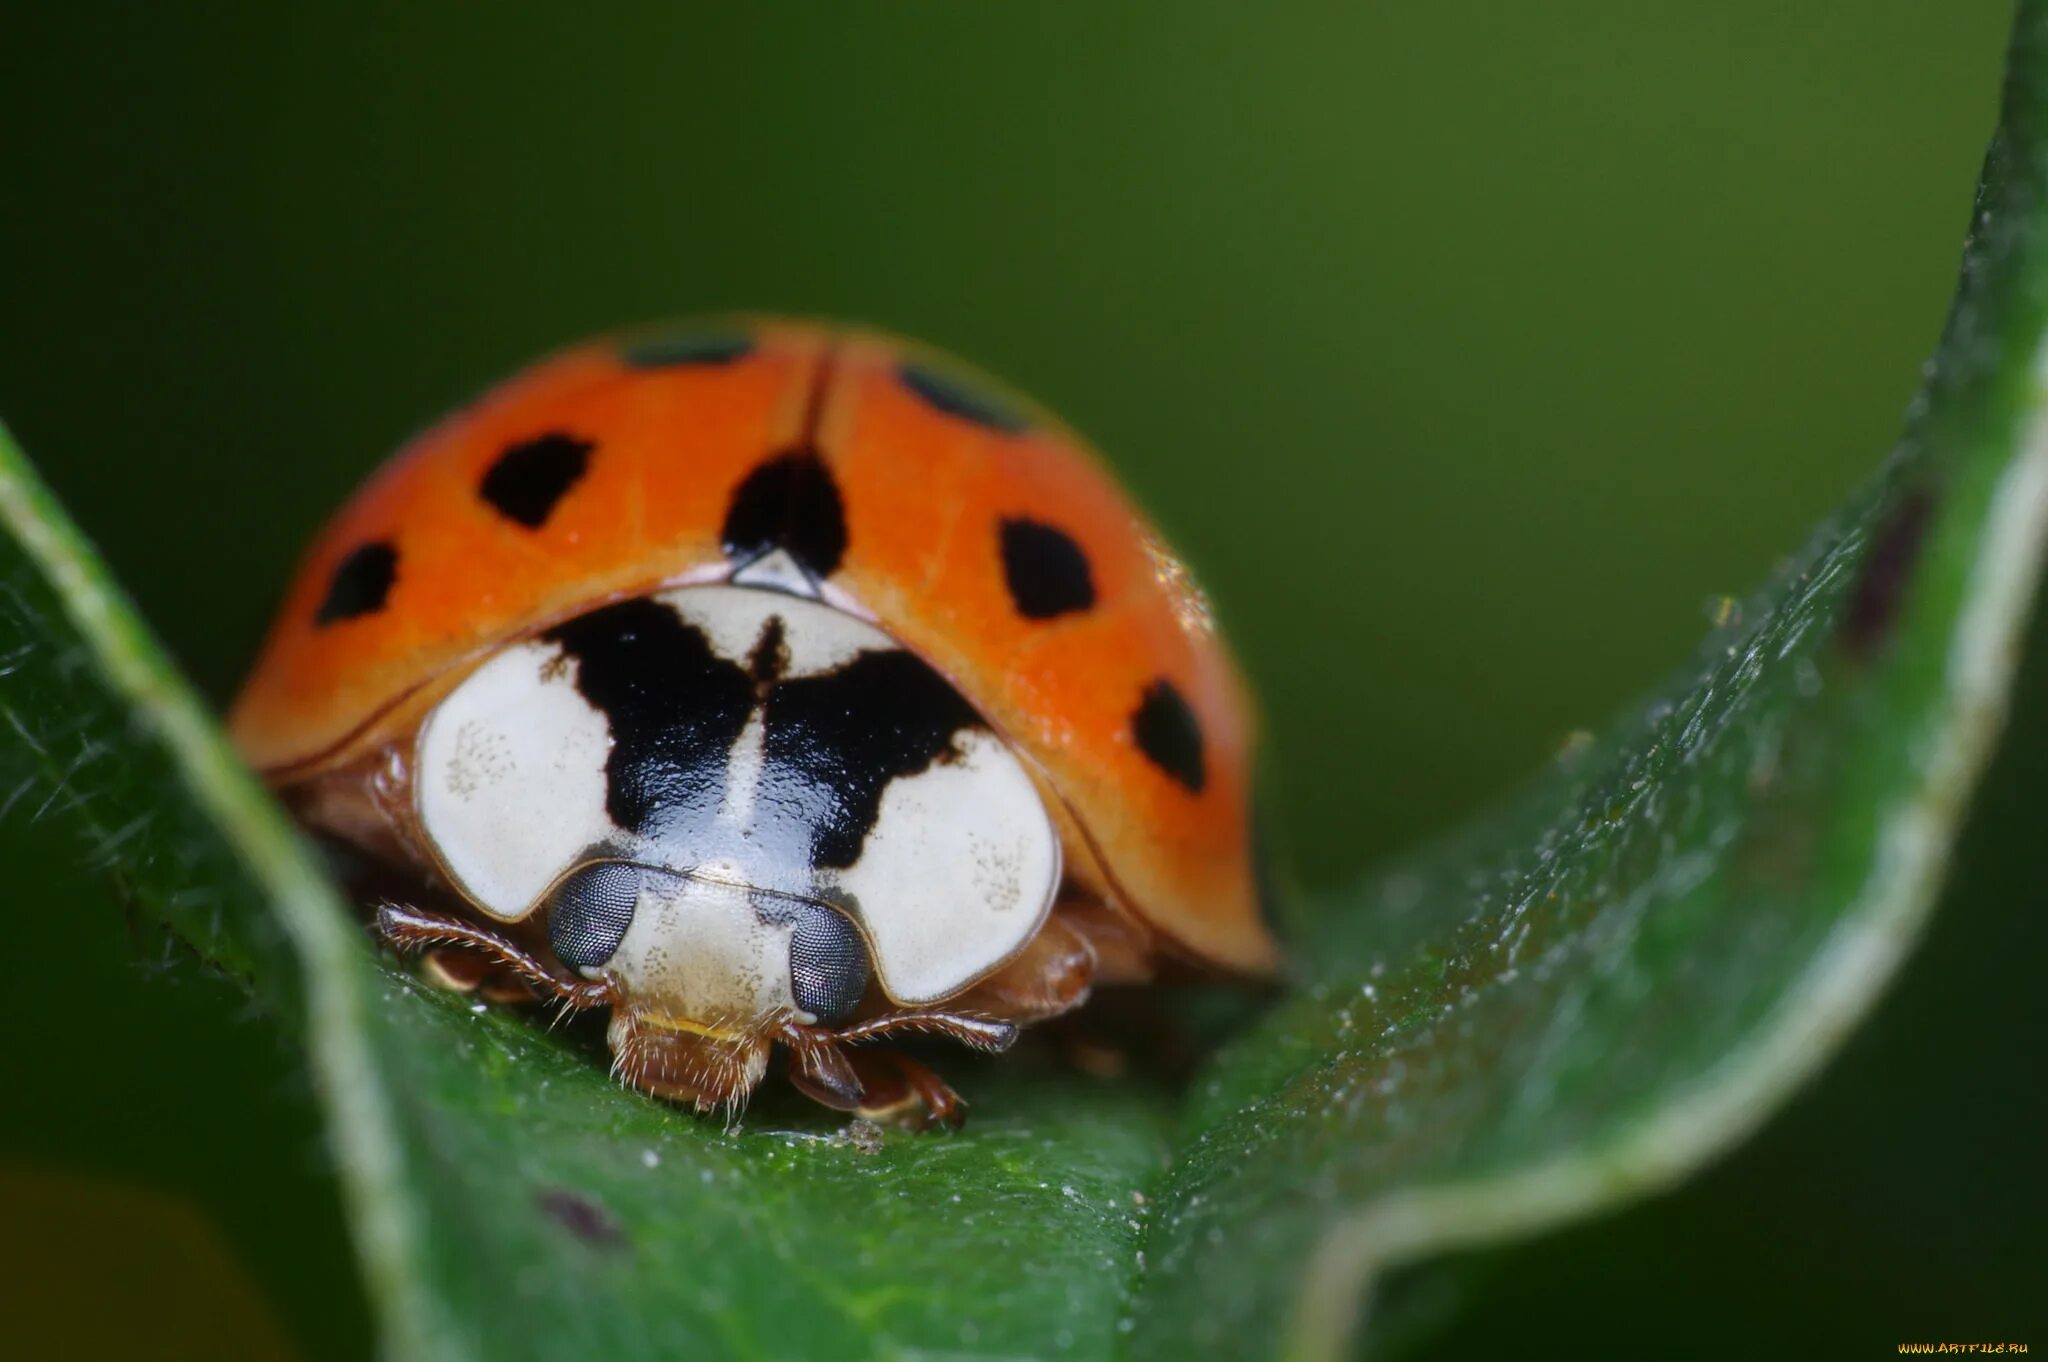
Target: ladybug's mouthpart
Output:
[(708, 1071)]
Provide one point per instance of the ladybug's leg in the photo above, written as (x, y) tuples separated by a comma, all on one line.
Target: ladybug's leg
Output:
[(412, 928), (1081, 945), (1084, 943), (459, 969), (882, 1085), (976, 1032), (820, 1069), (895, 1087)]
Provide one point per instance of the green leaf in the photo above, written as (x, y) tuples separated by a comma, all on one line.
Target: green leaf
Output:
[(1622, 972), (1581, 998)]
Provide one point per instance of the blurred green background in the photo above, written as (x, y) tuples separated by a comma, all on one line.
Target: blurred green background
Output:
[(1468, 350)]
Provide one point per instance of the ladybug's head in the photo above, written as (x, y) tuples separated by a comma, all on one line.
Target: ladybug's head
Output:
[(706, 971)]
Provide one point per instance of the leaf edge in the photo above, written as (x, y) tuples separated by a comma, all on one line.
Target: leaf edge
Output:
[(1881, 926), (358, 1109)]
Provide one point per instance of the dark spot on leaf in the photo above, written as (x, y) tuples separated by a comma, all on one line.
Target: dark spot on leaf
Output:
[(581, 1216), (955, 397), (1886, 573), (669, 348), (1046, 571), (360, 583), (527, 481), (789, 503), (1169, 735)]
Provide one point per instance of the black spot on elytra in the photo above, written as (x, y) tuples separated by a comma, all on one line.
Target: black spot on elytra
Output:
[(1886, 573), (1045, 569), (835, 740), (789, 503), (589, 914), (1169, 735), (669, 348), (527, 481), (675, 708), (956, 397), (581, 1216), (360, 584)]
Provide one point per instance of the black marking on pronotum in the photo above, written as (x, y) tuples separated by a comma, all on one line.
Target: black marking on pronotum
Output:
[(830, 742), (667, 349), (770, 657), (956, 397), (580, 1215), (675, 708), (828, 963), (789, 503), (360, 583), (1046, 571), (530, 478), (1169, 735), (1886, 573), (589, 914), (838, 738)]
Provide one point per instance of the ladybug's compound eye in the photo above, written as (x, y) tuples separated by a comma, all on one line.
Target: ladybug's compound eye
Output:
[(590, 911), (828, 964)]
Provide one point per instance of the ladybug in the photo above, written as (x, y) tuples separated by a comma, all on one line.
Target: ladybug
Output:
[(768, 684)]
